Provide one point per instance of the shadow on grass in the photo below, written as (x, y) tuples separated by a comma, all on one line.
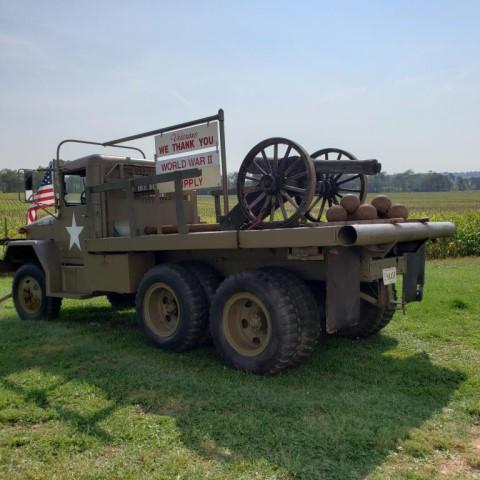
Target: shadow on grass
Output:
[(337, 416)]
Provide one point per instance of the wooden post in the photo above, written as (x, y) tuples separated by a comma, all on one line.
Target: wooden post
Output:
[(180, 211)]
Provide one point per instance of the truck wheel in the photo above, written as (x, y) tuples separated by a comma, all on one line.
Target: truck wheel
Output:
[(254, 322), (209, 279), (29, 296), (373, 317), (307, 312), (121, 300), (171, 307)]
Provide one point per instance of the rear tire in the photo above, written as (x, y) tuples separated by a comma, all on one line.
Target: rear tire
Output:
[(309, 327), (254, 323), (29, 295), (209, 279), (373, 318), (171, 307), (121, 300)]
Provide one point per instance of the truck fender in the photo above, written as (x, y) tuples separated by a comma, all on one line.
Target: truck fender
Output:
[(43, 252)]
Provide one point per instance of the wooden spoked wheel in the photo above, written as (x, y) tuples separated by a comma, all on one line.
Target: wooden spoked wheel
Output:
[(276, 183), (330, 188)]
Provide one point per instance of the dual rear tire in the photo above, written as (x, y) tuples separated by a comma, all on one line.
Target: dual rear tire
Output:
[(172, 307), (260, 321)]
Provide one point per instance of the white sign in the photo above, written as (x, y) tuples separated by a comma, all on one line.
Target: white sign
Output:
[(186, 140), (208, 162), (389, 275)]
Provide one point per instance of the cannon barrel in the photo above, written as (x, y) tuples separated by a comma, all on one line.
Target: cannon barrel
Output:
[(362, 167), (365, 167), (376, 234)]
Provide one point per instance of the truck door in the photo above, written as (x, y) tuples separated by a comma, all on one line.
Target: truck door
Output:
[(73, 222)]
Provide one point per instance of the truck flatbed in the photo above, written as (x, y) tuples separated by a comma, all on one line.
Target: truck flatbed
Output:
[(314, 236)]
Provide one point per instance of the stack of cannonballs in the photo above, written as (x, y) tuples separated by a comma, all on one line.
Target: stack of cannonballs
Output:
[(350, 208)]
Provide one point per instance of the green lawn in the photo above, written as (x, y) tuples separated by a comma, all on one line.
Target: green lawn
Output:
[(86, 397)]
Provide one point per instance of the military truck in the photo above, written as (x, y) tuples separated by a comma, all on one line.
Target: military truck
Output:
[(263, 283)]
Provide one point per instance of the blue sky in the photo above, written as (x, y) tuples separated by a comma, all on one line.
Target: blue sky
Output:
[(393, 80)]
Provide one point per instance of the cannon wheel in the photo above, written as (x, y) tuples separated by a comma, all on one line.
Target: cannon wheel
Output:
[(330, 188), (276, 174)]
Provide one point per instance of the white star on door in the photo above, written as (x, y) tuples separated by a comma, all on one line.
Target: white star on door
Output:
[(74, 231)]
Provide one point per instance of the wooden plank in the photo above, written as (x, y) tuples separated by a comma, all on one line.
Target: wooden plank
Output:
[(179, 207)]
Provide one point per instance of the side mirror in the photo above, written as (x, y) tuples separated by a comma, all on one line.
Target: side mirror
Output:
[(28, 185)]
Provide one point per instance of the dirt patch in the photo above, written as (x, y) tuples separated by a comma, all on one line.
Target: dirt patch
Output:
[(107, 453), (465, 464), (454, 466)]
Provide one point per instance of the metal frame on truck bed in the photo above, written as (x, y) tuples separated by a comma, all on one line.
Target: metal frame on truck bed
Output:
[(264, 283)]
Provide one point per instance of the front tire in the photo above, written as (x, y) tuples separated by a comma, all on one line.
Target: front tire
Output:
[(254, 323), (29, 295), (171, 307)]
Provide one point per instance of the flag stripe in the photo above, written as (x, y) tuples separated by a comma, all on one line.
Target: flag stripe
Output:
[(44, 197)]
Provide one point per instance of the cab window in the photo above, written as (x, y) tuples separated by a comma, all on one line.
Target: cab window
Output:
[(74, 188)]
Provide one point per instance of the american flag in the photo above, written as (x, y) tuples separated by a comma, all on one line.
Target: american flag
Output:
[(44, 197)]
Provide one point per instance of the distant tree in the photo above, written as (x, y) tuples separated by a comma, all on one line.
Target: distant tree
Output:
[(10, 181), (475, 183), (461, 184), (436, 182)]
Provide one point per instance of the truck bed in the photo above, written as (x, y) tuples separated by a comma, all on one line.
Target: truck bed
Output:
[(345, 234)]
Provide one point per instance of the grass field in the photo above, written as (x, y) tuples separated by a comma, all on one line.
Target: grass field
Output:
[(85, 397)]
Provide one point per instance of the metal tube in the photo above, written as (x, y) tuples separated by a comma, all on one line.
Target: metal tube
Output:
[(88, 142), (366, 167), (224, 161), (163, 130), (376, 234)]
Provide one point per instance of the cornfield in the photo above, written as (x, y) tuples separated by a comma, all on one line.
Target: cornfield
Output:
[(462, 208)]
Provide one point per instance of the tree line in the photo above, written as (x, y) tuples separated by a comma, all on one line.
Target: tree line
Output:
[(407, 181)]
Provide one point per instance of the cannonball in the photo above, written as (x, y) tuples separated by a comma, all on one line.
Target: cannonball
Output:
[(365, 212), (397, 211), (336, 213), (382, 203), (350, 203)]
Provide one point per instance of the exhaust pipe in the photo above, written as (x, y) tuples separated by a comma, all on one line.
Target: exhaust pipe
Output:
[(375, 234)]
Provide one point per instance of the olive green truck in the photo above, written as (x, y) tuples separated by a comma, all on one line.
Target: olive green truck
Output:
[(263, 283)]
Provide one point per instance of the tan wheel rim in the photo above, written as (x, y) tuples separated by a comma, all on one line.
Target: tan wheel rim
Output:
[(161, 309), (30, 295), (246, 324)]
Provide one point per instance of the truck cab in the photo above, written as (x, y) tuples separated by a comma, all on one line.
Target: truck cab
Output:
[(58, 239)]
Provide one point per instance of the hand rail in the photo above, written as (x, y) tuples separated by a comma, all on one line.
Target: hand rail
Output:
[(130, 184), (88, 142)]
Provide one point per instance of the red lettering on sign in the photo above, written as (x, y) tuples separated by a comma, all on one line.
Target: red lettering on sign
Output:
[(192, 182), (180, 146), (206, 141), (196, 162)]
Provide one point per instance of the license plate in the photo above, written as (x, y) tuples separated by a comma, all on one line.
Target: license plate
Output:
[(389, 275)]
